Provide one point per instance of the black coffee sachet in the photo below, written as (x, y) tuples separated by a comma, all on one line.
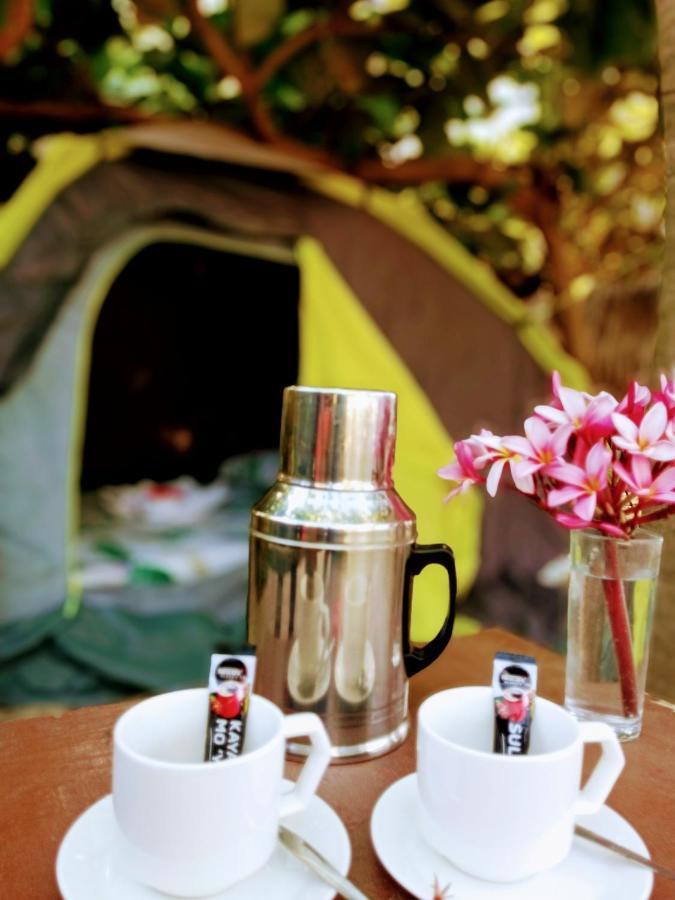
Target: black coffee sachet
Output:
[(514, 684)]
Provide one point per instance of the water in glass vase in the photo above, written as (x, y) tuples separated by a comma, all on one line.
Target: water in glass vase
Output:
[(611, 602)]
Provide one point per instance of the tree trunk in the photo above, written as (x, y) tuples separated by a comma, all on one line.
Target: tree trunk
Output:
[(662, 668)]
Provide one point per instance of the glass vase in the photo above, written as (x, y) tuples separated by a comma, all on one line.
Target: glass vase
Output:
[(612, 594)]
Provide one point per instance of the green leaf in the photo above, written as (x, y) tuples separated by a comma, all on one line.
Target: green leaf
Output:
[(297, 21), (290, 97), (382, 108)]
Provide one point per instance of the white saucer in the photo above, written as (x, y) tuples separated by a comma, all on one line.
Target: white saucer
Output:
[(85, 865), (588, 873)]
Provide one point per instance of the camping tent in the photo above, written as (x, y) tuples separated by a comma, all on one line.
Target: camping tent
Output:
[(388, 300)]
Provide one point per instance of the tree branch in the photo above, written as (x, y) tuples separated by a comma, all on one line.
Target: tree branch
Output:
[(72, 112), (445, 168), (335, 26), (540, 203), (226, 58), (18, 22), (231, 63)]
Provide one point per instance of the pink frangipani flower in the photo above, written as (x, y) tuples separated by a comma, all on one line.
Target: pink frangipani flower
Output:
[(635, 403), (582, 485), (546, 446), (464, 469), (590, 416), (588, 460), (649, 438), (512, 449), (666, 395), (556, 383), (640, 479)]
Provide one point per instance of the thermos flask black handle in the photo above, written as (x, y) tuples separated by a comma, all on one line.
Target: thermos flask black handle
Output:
[(417, 658)]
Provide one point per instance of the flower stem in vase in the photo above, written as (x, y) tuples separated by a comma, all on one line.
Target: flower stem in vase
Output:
[(617, 613), (590, 653)]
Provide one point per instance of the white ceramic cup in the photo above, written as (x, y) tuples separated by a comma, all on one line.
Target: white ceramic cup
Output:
[(499, 817), (192, 828)]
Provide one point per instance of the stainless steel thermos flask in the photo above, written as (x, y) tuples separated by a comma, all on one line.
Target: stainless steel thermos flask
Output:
[(332, 561)]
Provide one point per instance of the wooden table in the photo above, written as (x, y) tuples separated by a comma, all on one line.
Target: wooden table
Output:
[(53, 768)]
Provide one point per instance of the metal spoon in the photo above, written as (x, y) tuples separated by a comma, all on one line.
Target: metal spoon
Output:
[(319, 864), (624, 851)]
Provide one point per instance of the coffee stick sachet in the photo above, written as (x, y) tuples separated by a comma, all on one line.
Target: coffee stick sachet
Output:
[(514, 685), (230, 686)]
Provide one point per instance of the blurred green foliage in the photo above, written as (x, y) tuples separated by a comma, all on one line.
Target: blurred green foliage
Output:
[(567, 88)]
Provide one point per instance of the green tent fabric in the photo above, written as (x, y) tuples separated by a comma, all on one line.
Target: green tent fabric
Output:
[(24, 635), (103, 655), (47, 675), (155, 652)]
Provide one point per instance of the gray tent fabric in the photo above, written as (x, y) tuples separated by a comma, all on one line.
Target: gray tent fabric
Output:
[(105, 203), (35, 471)]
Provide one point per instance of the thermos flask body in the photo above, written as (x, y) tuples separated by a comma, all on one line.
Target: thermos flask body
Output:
[(331, 564)]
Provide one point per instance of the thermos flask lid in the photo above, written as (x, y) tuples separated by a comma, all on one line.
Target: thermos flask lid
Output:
[(335, 487), (338, 439)]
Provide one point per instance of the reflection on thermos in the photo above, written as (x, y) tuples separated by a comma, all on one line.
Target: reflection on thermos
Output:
[(332, 561), (355, 660), (310, 659)]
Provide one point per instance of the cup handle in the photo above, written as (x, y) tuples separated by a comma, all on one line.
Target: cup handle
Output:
[(306, 725), (603, 777), (421, 555)]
